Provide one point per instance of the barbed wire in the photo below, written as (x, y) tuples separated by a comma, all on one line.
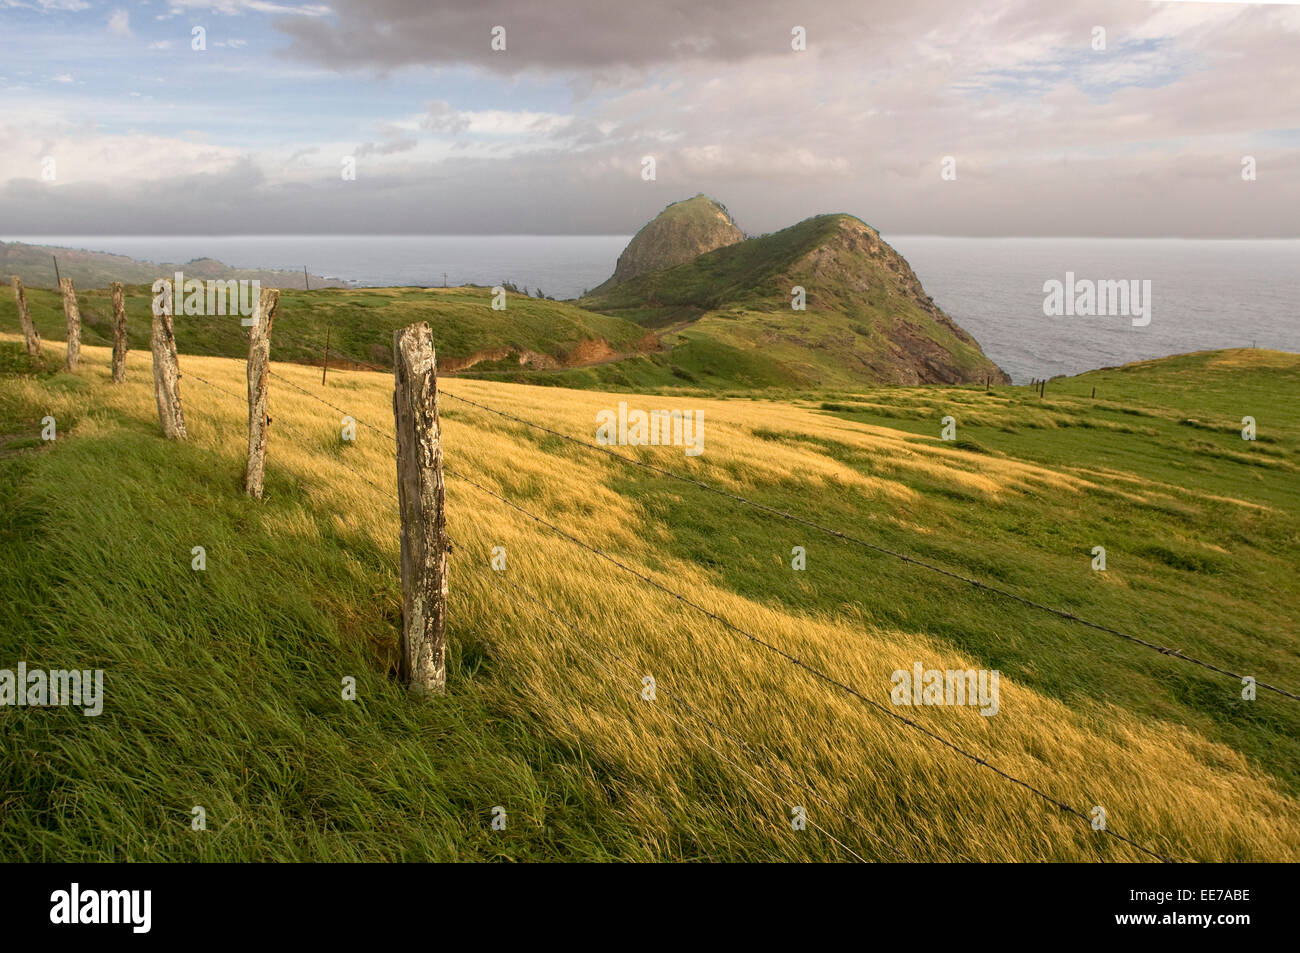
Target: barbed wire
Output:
[(875, 547), (817, 673), (796, 661), (234, 396), (706, 742), (692, 710), (740, 742)]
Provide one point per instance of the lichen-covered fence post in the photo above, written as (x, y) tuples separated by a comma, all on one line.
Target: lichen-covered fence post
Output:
[(166, 370), (259, 363), (30, 335), (421, 497), (74, 323), (119, 333)]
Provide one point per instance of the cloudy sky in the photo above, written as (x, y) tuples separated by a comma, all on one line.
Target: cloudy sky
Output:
[(112, 122)]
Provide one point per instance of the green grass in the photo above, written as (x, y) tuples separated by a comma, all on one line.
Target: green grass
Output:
[(224, 686)]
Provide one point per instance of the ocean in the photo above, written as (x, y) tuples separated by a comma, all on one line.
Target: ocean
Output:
[(1204, 294)]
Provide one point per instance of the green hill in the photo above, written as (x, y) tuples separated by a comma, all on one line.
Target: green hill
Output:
[(728, 312), (676, 235)]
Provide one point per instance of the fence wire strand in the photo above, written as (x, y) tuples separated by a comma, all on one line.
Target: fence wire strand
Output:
[(875, 547), (794, 660)]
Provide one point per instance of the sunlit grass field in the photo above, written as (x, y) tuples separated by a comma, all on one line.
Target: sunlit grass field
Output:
[(223, 687)]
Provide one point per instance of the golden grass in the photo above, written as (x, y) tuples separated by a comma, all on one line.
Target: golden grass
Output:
[(1161, 784)]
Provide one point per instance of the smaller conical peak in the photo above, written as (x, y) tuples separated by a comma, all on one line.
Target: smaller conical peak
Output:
[(681, 232)]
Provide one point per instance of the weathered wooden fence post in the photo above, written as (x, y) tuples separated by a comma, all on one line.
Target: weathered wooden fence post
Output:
[(119, 333), (30, 335), (259, 363), (166, 370), (421, 498), (325, 365), (74, 323)]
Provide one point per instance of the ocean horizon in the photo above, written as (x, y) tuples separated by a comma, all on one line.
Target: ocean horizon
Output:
[(1205, 293)]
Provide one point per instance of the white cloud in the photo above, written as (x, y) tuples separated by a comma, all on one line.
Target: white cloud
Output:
[(119, 23), (87, 158)]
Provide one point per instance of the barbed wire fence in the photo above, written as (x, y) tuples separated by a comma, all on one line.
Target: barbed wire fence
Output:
[(815, 672), (699, 723)]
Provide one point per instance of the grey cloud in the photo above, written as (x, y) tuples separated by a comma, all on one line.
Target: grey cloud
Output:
[(567, 34)]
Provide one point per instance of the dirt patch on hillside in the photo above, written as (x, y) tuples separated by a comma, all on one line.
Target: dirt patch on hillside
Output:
[(585, 353), (451, 365), (589, 352)]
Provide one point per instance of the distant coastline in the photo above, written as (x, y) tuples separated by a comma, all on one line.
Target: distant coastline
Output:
[(1209, 293)]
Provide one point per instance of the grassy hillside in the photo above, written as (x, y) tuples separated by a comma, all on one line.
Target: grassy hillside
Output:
[(361, 323), (34, 264), (560, 343), (867, 319), (223, 686)]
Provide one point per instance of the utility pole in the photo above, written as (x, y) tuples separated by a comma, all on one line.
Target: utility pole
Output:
[(58, 282), (305, 280)]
